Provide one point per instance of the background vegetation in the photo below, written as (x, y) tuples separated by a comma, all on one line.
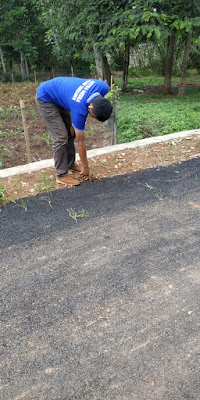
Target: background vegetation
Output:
[(152, 48), (88, 37)]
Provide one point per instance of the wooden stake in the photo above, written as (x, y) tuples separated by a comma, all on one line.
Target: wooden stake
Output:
[(115, 134), (25, 130)]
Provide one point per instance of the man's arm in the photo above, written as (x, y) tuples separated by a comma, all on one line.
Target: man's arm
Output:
[(80, 138)]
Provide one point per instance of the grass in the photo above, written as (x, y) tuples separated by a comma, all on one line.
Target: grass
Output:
[(151, 113), (135, 82)]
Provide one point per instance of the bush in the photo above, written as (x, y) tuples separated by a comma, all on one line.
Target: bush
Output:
[(5, 77), (191, 72), (139, 71)]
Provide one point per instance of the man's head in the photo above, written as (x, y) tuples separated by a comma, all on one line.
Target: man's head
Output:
[(100, 108)]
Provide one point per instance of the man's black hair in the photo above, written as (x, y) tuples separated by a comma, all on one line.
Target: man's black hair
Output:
[(102, 108)]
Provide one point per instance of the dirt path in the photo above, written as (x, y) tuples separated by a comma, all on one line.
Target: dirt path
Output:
[(105, 166)]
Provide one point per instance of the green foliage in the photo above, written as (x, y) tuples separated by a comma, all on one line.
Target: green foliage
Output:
[(2, 193), (139, 71), (22, 33), (144, 115), (194, 60), (73, 29), (113, 94)]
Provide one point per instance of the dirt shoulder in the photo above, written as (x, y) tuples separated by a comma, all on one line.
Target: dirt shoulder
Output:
[(108, 165)]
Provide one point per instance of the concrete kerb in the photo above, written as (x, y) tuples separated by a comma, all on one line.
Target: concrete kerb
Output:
[(38, 165)]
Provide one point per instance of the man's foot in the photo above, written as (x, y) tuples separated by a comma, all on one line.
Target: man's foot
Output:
[(67, 180), (76, 167)]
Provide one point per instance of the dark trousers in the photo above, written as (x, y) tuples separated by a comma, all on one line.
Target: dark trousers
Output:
[(58, 122)]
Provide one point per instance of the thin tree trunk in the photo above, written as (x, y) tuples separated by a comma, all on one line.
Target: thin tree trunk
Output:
[(98, 62), (35, 76), (181, 91), (126, 65), (102, 66), (106, 70), (22, 65), (2, 60), (169, 63), (26, 66)]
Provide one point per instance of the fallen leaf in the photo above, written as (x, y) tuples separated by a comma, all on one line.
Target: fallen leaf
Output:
[(194, 205)]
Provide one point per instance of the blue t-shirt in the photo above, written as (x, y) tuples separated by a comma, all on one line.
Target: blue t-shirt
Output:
[(74, 94)]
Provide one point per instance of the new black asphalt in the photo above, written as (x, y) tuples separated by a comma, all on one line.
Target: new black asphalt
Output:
[(103, 305)]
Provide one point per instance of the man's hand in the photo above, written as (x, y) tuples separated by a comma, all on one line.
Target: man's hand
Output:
[(85, 173)]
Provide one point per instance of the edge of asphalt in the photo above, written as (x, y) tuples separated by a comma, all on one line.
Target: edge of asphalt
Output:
[(38, 165)]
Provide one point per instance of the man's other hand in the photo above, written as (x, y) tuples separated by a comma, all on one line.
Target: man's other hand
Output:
[(72, 130)]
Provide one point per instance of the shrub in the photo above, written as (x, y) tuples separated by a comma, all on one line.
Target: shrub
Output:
[(139, 71)]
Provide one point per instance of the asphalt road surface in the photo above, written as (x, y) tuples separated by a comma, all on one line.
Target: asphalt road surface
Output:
[(103, 306)]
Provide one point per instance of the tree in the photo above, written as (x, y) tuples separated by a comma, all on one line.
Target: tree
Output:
[(179, 19), (133, 23), (172, 18), (169, 61), (75, 31), (21, 34), (4, 8), (188, 41)]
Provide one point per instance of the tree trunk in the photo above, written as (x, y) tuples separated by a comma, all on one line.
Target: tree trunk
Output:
[(22, 65), (26, 66), (106, 70), (2, 60), (98, 62), (126, 65), (181, 91), (102, 66), (169, 63)]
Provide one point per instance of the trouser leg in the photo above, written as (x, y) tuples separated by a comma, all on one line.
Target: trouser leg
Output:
[(66, 116), (59, 129)]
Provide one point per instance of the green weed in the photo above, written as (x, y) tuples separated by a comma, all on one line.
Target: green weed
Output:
[(149, 186), (2, 194), (7, 150), (2, 112), (74, 214), (24, 205), (47, 182), (91, 131), (39, 187), (49, 200), (158, 193), (47, 139)]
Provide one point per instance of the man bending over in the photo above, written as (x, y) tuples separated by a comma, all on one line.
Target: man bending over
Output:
[(64, 104)]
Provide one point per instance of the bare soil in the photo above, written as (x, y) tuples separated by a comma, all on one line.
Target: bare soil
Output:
[(13, 147)]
